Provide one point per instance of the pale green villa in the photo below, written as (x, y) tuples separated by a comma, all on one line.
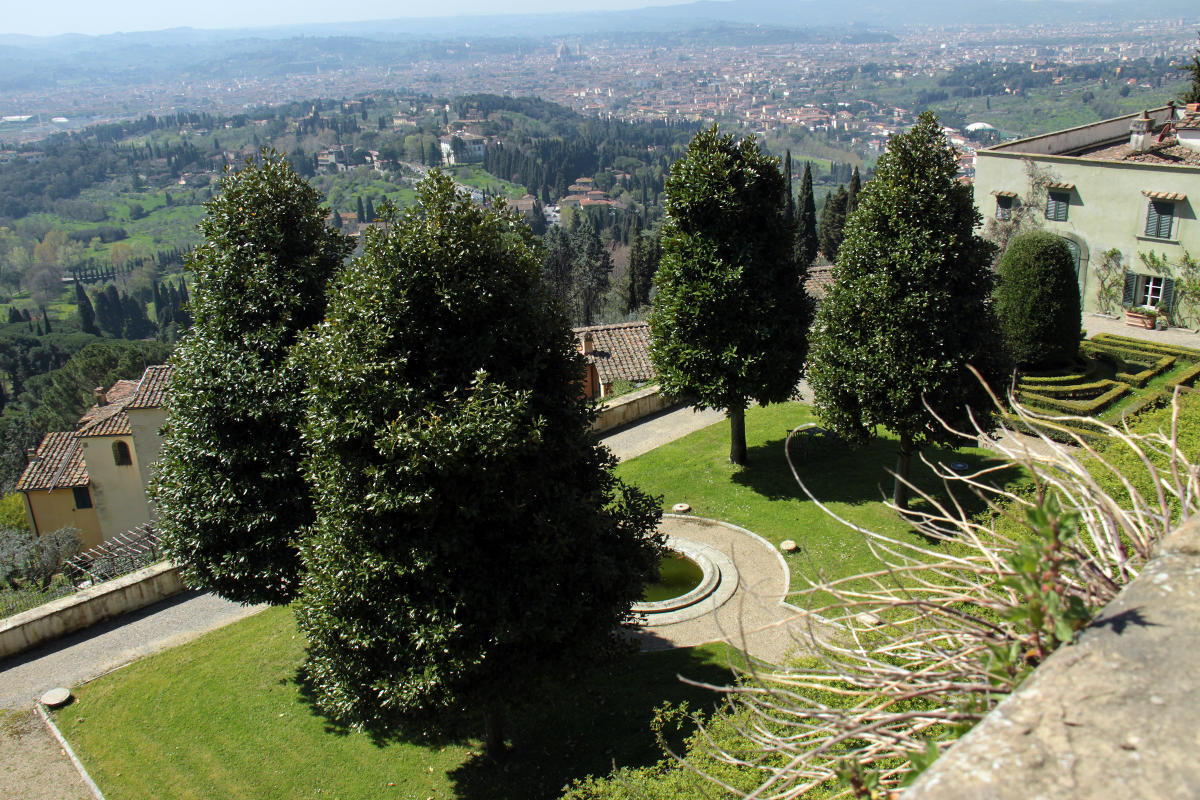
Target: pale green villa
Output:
[(1115, 190)]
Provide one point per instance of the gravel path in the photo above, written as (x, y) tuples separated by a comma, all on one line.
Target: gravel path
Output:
[(667, 426)]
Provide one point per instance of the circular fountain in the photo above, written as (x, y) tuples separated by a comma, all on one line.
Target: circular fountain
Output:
[(694, 579)]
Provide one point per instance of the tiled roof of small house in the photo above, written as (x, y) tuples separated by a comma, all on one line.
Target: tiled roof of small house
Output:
[(152, 389), (619, 352), (109, 419), (820, 276), (57, 465)]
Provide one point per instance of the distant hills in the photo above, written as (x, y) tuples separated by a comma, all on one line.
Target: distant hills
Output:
[(28, 62), (807, 14)]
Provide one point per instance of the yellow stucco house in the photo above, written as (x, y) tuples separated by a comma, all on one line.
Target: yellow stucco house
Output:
[(94, 477), (1115, 190)]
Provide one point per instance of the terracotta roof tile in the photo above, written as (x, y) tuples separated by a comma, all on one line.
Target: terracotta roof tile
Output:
[(620, 352), (109, 419), (152, 389), (58, 465)]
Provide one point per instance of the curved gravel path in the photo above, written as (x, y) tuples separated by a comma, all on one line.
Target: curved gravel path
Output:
[(755, 618)]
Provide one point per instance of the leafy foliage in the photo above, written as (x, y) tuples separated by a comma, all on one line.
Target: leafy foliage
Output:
[(908, 310), (231, 497), (1037, 300), (730, 319), (470, 539)]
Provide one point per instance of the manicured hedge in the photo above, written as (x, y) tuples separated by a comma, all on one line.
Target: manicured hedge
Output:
[(1186, 353), (1085, 408)]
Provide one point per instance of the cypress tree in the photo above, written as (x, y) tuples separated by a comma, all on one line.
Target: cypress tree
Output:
[(46, 319), (852, 192), (370, 210), (806, 222), (362, 212), (833, 222), (787, 176)]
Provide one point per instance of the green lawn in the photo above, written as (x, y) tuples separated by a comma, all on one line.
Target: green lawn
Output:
[(224, 717), (764, 497)]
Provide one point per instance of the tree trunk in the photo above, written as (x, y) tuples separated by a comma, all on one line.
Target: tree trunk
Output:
[(901, 492), (737, 435), (493, 732)]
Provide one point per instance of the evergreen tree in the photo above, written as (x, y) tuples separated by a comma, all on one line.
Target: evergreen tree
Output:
[(557, 269), (230, 495), (730, 317), (137, 323), (833, 222), (592, 267), (908, 310), (791, 200), (362, 212), (644, 255), (453, 470), (370, 210), (1037, 300), (110, 314), (852, 192), (46, 320), (805, 251)]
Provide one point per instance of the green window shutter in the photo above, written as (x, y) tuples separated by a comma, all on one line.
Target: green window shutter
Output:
[(1168, 294), (1130, 288), (1056, 206), (1159, 216)]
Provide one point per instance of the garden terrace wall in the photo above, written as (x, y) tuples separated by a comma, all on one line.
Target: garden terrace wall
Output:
[(88, 606), (1111, 717), (630, 408)]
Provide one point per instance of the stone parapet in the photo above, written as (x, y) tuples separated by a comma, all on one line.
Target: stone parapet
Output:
[(1112, 716), (88, 606), (629, 408)]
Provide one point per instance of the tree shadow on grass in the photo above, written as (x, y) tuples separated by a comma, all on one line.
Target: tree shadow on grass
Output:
[(581, 724), (835, 472), (590, 722)]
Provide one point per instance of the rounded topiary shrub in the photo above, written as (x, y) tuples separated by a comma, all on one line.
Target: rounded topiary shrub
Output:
[(1037, 300)]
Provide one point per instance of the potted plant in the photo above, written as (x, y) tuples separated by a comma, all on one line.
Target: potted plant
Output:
[(1141, 316)]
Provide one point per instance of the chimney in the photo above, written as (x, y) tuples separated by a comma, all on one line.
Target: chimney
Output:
[(100, 395), (1139, 133), (31, 455), (588, 346)]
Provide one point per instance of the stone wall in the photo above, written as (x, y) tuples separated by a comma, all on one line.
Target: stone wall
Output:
[(629, 408), (1112, 716), (89, 606)]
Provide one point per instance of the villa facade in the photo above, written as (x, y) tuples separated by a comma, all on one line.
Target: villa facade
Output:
[(94, 478), (1121, 192)]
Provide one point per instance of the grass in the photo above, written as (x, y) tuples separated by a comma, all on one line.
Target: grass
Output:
[(224, 716), (764, 498)]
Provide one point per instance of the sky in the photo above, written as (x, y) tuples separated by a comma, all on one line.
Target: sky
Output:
[(92, 17)]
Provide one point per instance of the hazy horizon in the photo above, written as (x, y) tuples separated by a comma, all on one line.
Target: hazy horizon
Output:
[(133, 16)]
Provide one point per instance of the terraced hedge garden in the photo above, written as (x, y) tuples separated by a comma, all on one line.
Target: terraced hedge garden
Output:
[(1114, 377)]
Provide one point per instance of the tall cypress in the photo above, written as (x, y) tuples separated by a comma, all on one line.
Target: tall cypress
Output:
[(806, 221), (833, 221), (787, 176), (852, 192), (362, 212)]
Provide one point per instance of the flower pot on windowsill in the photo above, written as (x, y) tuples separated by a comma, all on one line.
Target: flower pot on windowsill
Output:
[(1140, 319)]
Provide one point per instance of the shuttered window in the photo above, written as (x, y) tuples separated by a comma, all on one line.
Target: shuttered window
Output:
[(1056, 205), (1004, 205), (1160, 214)]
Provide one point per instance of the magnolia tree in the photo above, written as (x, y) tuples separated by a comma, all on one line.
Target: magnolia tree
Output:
[(908, 312), (730, 319), (470, 540), (229, 490)]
